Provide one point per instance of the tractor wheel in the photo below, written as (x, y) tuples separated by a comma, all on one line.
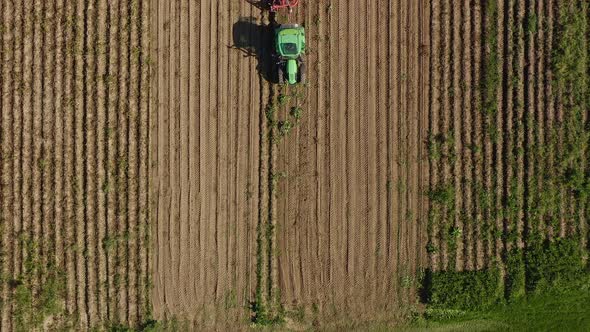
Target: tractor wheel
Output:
[(302, 75), (281, 78)]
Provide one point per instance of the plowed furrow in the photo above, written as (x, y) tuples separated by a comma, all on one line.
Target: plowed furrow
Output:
[(371, 130), (379, 72), (144, 178), (27, 157), (478, 24), (496, 225), (58, 247), (520, 125), (88, 113), (531, 81), (68, 158), (47, 163), (109, 242), (539, 120), (508, 124), (79, 156), (133, 161), (470, 246), (394, 173), (549, 123), (433, 126), (102, 187), (448, 137), (423, 49), (400, 186), (122, 165)]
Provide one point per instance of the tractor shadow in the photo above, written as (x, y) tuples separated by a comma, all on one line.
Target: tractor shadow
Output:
[(256, 40), (260, 4)]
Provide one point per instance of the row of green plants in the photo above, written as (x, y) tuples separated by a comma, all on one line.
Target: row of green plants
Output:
[(266, 307), (533, 270)]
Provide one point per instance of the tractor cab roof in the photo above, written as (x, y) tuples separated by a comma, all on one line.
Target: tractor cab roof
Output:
[(290, 41)]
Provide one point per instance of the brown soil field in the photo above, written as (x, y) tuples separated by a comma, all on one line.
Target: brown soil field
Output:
[(206, 162), (326, 221), (152, 170)]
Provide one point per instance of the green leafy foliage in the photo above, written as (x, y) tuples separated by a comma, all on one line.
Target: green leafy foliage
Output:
[(515, 274), (551, 262), (464, 290), (559, 308)]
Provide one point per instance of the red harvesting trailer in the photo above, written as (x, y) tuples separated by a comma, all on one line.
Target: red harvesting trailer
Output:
[(278, 4)]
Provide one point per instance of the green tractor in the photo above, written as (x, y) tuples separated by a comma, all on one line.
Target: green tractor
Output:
[(290, 46)]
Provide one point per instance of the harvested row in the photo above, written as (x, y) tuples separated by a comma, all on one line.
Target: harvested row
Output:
[(59, 81)]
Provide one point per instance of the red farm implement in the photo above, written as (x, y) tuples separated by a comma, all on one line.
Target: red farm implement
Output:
[(275, 5)]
